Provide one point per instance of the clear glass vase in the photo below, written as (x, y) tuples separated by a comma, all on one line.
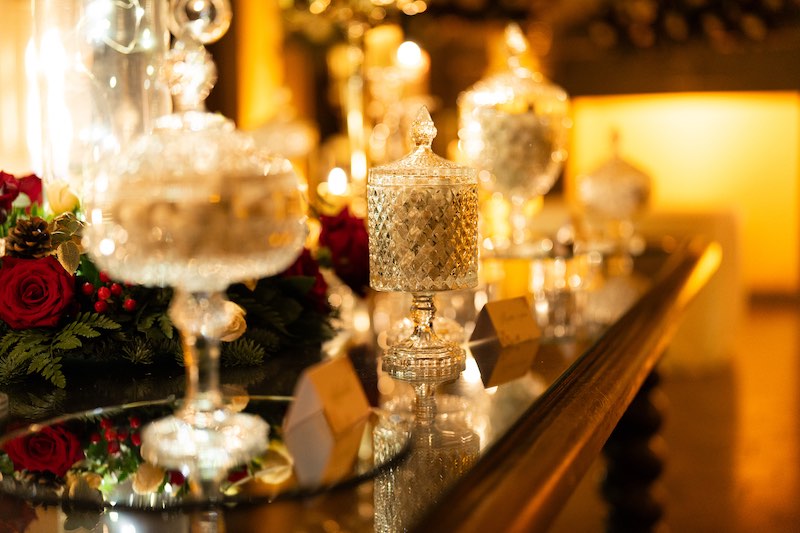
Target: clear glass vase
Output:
[(197, 206), (97, 66)]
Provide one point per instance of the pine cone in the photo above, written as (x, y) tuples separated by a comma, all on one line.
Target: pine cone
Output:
[(29, 239)]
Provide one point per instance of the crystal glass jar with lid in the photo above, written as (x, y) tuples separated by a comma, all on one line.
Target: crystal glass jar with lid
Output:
[(609, 200), (513, 128), (423, 238)]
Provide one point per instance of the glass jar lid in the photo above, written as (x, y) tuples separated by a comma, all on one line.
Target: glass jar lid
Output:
[(616, 189), (422, 166), (518, 88)]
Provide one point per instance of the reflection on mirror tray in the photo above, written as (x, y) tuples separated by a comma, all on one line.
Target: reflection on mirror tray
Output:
[(90, 461), (442, 450)]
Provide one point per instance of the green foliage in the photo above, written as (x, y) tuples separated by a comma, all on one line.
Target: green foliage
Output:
[(6, 465), (36, 406), (21, 352), (242, 352), (155, 324), (139, 352), (38, 351), (278, 311)]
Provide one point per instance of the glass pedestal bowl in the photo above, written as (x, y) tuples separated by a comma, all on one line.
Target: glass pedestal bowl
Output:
[(197, 207)]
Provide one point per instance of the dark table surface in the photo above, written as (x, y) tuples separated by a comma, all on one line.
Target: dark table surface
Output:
[(495, 459)]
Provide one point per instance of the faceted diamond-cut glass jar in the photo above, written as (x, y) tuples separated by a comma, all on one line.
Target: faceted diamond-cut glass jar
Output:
[(423, 238), (513, 128)]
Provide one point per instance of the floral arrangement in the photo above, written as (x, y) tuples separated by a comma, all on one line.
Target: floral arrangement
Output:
[(56, 307), (344, 247), (95, 459)]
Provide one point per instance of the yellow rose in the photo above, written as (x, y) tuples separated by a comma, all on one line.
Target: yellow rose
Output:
[(236, 397), (60, 198), (236, 323), (147, 478)]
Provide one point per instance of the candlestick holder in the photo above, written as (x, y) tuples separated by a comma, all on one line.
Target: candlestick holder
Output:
[(423, 238)]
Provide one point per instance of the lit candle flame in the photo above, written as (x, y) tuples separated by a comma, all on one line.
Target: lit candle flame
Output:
[(337, 182)]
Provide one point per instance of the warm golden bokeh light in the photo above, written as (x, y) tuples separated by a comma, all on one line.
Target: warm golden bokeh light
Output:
[(711, 152), (259, 49)]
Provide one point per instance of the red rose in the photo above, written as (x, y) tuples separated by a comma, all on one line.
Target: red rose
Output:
[(9, 190), (31, 186), (305, 265), (34, 292), (52, 449), (348, 241)]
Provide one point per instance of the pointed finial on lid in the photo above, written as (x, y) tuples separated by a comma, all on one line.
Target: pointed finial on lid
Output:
[(516, 42), (422, 130)]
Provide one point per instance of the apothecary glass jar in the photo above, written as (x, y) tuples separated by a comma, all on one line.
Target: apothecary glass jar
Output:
[(513, 128)]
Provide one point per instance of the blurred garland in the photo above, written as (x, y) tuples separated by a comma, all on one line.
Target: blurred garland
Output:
[(724, 24)]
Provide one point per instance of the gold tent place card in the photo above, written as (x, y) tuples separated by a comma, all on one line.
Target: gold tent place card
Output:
[(505, 340), (324, 425)]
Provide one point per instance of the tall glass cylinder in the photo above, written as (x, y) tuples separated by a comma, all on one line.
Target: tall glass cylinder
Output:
[(97, 66)]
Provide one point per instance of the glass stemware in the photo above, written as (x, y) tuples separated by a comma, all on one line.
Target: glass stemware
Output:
[(196, 206), (423, 238)]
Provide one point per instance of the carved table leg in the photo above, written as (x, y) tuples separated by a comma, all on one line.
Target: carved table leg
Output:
[(634, 462)]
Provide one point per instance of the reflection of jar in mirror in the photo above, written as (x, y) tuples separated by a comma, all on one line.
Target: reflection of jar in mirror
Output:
[(441, 453), (513, 128), (97, 64)]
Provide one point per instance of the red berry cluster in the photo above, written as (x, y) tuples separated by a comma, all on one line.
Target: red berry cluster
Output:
[(108, 295), (114, 436)]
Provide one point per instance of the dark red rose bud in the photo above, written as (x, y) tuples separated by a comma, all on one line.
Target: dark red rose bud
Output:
[(134, 422), (347, 239), (306, 265), (176, 478), (9, 190), (105, 423), (113, 447), (136, 439), (95, 438)]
